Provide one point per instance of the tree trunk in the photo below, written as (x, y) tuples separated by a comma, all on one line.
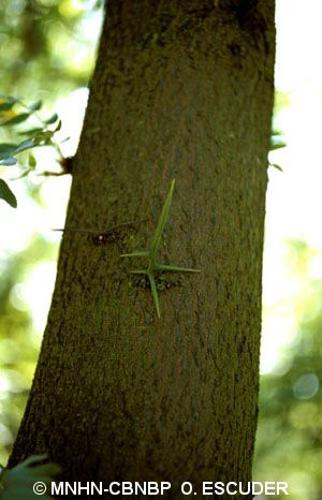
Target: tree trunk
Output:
[(184, 90)]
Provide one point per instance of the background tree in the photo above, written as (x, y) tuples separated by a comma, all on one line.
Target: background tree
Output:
[(180, 90)]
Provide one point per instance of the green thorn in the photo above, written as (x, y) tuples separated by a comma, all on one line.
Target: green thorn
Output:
[(176, 269), (139, 253), (162, 220), (155, 294), (151, 253)]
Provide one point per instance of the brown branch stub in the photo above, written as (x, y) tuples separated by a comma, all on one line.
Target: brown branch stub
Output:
[(67, 168), (67, 164)]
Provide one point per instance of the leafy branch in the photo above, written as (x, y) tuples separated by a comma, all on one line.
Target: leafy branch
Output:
[(151, 253), (41, 135), (18, 483)]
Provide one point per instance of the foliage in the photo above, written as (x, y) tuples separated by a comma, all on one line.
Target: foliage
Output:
[(34, 137), (46, 45), (17, 483)]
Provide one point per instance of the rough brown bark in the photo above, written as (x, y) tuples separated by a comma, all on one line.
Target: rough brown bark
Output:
[(182, 89)]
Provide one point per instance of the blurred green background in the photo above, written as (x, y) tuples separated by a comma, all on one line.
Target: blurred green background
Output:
[(47, 51)]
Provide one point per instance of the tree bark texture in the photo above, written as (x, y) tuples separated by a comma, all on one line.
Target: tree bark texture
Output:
[(182, 89)]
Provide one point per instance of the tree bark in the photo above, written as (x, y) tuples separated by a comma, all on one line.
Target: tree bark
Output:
[(182, 89)]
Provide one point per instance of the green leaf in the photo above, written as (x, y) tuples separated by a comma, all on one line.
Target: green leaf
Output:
[(7, 195), (16, 119), (276, 132), (32, 162), (277, 140), (8, 162), (7, 104), (20, 493), (31, 131), (17, 483), (27, 144), (44, 136), (98, 4), (58, 127), (35, 106), (7, 149), (162, 221), (277, 146), (52, 119)]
